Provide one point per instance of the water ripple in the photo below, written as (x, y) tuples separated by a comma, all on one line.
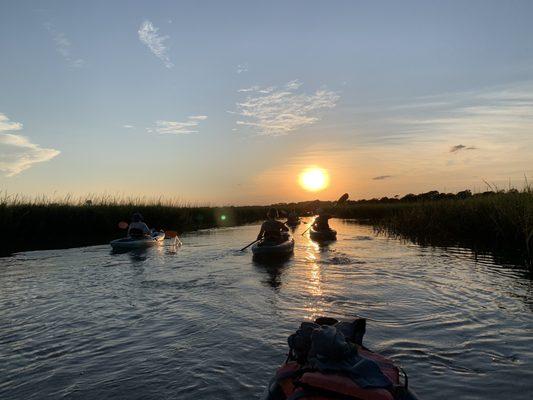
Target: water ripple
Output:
[(205, 321)]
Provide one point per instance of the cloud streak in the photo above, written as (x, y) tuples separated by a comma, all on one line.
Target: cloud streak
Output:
[(499, 114), (63, 46), (274, 112), (381, 177), (148, 35), (460, 147), (178, 128), (17, 152)]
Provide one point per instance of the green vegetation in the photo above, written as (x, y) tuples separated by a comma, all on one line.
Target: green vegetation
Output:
[(34, 224), (495, 221)]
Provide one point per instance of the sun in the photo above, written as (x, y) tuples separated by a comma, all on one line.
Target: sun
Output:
[(314, 179)]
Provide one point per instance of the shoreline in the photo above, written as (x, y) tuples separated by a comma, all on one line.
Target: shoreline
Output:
[(495, 222)]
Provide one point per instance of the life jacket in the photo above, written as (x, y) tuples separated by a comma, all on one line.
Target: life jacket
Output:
[(274, 234), (296, 379), (136, 233)]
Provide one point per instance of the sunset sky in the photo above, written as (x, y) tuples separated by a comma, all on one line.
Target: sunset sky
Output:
[(227, 102)]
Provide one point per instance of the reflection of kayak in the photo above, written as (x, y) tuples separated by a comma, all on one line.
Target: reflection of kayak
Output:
[(136, 243), (330, 234), (268, 248), (351, 370)]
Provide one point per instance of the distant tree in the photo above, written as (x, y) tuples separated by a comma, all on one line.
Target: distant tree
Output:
[(409, 197), (464, 194), (431, 195)]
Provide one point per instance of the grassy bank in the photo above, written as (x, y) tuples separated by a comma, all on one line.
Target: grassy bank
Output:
[(492, 221), (44, 224)]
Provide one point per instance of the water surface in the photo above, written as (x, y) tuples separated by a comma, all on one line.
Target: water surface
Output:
[(206, 322)]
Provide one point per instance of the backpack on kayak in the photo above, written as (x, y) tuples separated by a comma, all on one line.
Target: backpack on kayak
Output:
[(327, 360)]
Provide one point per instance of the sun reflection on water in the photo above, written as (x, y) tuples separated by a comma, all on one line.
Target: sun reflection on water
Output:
[(314, 281)]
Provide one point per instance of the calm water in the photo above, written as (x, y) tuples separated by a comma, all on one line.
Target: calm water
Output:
[(205, 322)]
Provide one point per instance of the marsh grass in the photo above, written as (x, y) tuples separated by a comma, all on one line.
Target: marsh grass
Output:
[(496, 221), (48, 223)]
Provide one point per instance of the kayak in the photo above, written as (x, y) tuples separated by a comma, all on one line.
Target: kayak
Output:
[(330, 234), (327, 360), (155, 239), (267, 248)]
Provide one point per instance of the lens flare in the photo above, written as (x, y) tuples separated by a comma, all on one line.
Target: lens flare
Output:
[(314, 179)]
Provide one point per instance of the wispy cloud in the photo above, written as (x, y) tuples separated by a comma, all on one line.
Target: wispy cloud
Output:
[(17, 153), (258, 89), (148, 34), (242, 68), (459, 147), (503, 113), (272, 111), (249, 89), (381, 177), (63, 46), (128, 126), (294, 84), (7, 125), (178, 128)]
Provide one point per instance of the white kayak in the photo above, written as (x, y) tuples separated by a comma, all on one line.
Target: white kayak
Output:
[(266, 248), (156, 238)]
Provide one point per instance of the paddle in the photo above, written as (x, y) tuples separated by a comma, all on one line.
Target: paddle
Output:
[(341, 200), (309, 227), (244, 248)]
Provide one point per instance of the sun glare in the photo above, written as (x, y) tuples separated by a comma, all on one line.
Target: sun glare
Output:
[(314, 179)]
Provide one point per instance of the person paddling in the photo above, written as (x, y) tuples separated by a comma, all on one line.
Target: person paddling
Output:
[(137, 227), (321, 222), (292, 218), (272, 229)]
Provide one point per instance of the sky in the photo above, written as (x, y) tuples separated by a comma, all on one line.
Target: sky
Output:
[(215, 102)]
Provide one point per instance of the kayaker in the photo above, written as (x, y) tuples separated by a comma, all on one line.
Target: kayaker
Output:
[(272, 229), (292, 217), (137, 227), (321, 222)]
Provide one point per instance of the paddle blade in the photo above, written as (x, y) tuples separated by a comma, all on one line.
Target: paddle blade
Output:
[(343, 198), (123, 225), (170, 234)]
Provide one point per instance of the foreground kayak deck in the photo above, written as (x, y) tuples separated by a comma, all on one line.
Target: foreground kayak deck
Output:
[(346, 369), (136, 243)]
